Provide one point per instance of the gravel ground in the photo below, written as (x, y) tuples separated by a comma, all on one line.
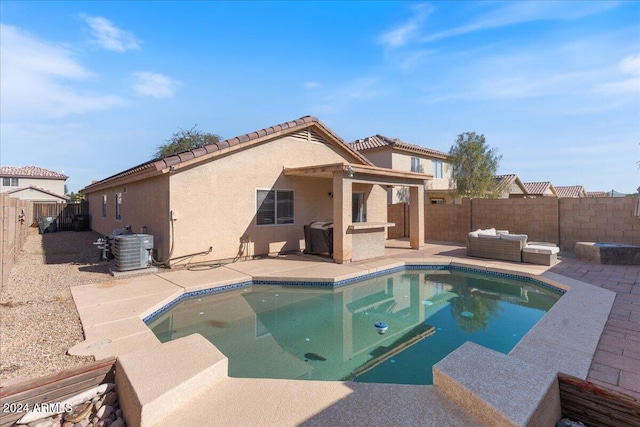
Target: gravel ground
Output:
[(38, 318)]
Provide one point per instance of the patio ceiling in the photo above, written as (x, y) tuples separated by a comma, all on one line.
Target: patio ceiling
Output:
[(362, 174)]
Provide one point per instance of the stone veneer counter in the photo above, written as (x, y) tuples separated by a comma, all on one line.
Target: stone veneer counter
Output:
[(608, 253)]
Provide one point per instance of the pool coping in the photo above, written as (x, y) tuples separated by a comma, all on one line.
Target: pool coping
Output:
[(564, 340)]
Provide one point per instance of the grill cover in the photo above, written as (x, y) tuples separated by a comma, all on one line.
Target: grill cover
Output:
[(318, 238)]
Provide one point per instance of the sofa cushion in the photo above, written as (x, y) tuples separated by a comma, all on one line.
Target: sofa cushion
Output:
[(519, 237), (488, 236), (487, 232), (535, 249)]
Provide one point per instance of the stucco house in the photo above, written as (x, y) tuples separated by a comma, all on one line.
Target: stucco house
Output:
[(253, 194), (540, 189), (509, 186), (571, 191), (395, 154), (33, 183)]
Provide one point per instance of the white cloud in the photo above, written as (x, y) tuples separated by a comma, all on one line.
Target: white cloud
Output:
[(631, 65), (512, 13), (407, 31), (344, 96), (629, 85), (312, 85), (154, 85), (110, 37), (38, 78)]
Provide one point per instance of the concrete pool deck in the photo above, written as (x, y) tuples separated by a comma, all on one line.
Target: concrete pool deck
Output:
[(566, 340)]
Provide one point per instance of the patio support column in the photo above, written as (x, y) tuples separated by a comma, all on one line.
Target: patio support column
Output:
[(416, 217), (342, 242)]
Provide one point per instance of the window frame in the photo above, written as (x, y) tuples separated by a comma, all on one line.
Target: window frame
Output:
[(104, 206), (10, 181), (437, 168), (362, 207), (415, 164), (275, 192), (118, 206)]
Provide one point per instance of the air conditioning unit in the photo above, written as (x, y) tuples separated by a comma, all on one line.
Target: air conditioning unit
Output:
[(132, 251)]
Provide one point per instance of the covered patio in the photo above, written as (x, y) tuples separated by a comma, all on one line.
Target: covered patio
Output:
[(356, 239)]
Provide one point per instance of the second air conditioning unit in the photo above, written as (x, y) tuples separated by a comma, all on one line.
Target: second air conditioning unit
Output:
[(132, 252)]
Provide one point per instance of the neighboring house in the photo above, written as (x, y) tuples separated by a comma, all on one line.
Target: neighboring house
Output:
[(399, 155), (33, 183), (571, 191), (540, 189), (598, 194), (253, 195), (510, 187)]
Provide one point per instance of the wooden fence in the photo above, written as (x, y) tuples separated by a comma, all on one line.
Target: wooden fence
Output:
[(591, 404), (63, 212), (53, 388)]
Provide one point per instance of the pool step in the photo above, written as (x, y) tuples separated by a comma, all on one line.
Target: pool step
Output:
[(498, 389), (155, 382)]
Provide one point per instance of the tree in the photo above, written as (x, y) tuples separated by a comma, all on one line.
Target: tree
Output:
[(185, 140), (474, 165), (75, 197)]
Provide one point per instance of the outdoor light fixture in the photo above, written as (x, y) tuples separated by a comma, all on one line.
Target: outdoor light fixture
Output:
[(350, 171)]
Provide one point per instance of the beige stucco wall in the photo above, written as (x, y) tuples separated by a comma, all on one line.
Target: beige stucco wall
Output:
[(381, 157), (144, 203), (215, 202), (36, 196), (53, 185), (402, 161)]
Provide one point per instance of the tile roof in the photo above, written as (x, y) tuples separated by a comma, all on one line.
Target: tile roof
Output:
[(571, 191), (287, 127), (39, 189), (538, 187), (504, 181), (377, 141), (30, 172), (598, 194)]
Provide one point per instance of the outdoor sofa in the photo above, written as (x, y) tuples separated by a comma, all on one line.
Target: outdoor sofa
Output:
[(499, 244), (494, 244)]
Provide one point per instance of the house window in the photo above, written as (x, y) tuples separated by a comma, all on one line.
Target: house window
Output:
[(104, 206), (415, 164), (274, 207), (436, 165), (10, 182), (118, 206), (358, 213)]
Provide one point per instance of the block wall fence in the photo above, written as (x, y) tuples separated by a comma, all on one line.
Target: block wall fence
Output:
[(14, 230), (560, 221)]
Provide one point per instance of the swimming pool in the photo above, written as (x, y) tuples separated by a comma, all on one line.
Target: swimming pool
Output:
[(321, 333)]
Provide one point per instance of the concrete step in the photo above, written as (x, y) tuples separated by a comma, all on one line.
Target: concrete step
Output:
[(498, 389), (158, 381)]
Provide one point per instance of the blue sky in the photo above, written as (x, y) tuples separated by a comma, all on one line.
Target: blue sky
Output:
[(92, 88)]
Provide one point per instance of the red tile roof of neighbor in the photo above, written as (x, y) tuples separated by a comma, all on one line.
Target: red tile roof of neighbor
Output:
[(597, 194), (505, 180), (166, 162), (30, 172), (538, 187), (570, 191), (377, 141)]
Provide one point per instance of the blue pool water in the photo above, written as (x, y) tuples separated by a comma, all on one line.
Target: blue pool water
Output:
[(296, 332)]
